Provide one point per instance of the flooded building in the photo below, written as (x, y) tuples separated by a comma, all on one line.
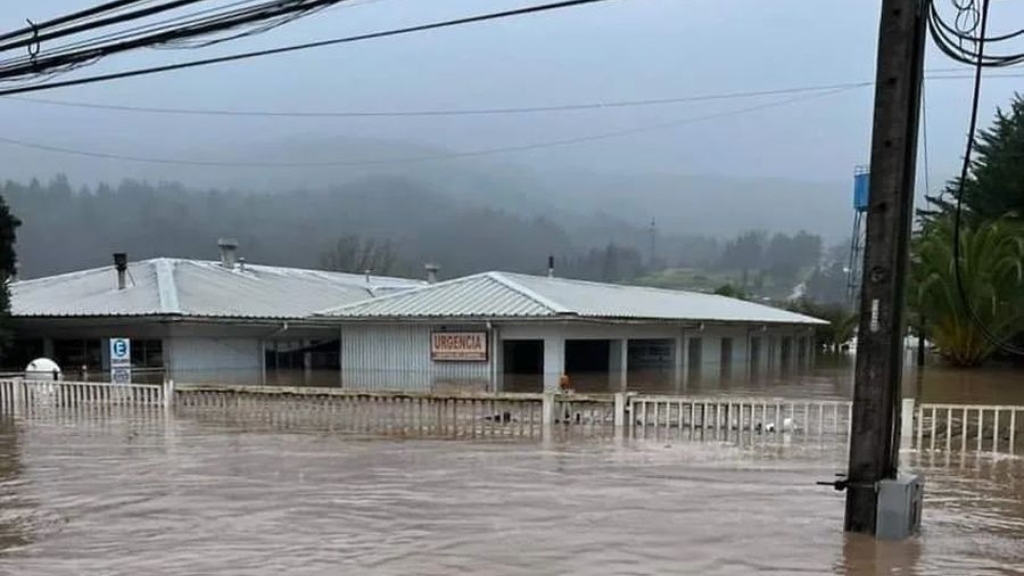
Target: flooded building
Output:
[(513, 332), (193, 320)]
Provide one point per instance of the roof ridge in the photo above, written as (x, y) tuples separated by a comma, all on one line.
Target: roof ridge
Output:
[(166, 286), (511, 284), (401, 293)]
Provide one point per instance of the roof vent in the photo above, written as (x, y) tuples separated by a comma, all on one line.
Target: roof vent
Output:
[(432, 270), (121, 265), (228, 252), (551, 266)]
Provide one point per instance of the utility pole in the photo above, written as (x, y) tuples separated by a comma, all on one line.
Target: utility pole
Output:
[(874, 447), (654, 242)]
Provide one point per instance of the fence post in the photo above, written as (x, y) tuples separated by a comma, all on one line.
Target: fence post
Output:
[(907, 424), (548, 409), (620, 410), (168, 392)]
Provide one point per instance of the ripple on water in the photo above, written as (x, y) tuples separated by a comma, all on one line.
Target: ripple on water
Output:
[(183, 498)]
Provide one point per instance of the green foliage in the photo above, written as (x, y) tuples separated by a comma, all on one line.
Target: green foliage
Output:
[(993, 208), (992, 270), (827, 284), (780, 258), (842, 322), (8, 268), (995, 185), (731, 291)]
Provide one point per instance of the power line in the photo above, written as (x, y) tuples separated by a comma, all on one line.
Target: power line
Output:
[(69, 18), (455, 112), (471, 111), (304, 46), (430, 158), (276, 12)]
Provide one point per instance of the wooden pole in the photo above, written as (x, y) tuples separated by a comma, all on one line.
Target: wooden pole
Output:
[(874, 448)]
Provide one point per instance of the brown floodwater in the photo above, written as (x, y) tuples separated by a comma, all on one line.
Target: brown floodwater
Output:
[(833, 378), (91, 495)]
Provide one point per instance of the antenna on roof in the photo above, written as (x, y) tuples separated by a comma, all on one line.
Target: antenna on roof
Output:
[(551, 266)]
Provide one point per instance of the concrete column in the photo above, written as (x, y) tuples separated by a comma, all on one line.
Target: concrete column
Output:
[(497, 360), (907, 424), (679, 363), (624, 365), (263, 362), (548, 409), (104, 357), (554, 362), (620, 410)]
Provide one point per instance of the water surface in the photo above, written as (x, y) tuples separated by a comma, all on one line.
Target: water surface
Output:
[(111, 496)]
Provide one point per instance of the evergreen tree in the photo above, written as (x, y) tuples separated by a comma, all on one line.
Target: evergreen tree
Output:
[(995, 183), (8, 268)]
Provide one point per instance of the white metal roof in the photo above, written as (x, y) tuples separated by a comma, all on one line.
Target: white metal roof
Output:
[(196, 288), (505, 295)]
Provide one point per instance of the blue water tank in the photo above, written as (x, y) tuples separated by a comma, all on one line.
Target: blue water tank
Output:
[(860, 191)]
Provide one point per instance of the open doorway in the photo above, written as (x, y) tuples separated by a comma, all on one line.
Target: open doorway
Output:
[(588, 362), (651, 364), (523, 362)]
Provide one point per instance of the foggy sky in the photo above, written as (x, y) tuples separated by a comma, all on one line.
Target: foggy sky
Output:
[(622, 49)]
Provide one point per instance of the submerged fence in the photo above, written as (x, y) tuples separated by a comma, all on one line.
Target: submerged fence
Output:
[(980, 428), (925, 427)]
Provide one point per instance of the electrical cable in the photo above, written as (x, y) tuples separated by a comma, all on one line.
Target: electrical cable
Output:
[(276, 12), (152, 27), (39, 36), (1000, 343), (304, 46), (451, 112), (951, 39), (431, 158), (69, 18), (470, 111)]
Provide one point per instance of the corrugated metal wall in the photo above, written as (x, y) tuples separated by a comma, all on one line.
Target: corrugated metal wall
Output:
[(396, 357), (215, 360)]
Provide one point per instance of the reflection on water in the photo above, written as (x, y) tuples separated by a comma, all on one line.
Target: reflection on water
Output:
[(163, 497)]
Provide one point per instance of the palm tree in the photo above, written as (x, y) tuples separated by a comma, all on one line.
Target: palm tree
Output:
[(992, 273)]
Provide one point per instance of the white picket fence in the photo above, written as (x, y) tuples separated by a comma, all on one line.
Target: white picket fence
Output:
[(980, 428), (925, 427), (821, 418), (19, 396)]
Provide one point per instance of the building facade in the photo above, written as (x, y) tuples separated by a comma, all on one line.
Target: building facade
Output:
[(191, 320), (511, 332)]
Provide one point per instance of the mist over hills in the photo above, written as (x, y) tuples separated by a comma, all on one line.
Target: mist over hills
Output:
[(469, 212)]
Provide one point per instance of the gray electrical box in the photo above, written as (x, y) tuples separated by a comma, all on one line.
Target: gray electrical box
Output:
[(899, 507)]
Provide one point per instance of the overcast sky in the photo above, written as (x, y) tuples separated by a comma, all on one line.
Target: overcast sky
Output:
[(618, 50)]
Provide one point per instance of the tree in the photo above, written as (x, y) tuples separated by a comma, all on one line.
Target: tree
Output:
[(992, 271), (842, 324), (828, 284), (746, 252), (8, 268), (994, 187), (731, 291), (355, 255)]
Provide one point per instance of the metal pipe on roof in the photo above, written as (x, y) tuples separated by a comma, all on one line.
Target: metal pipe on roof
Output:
[(432, 270), (228, 252), (121, 265)]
